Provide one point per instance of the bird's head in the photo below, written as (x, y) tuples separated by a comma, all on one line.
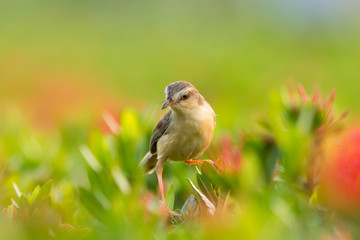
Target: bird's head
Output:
[(182, 95)]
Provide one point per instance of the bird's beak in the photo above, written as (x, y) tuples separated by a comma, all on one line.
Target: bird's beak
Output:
[(167, 103)]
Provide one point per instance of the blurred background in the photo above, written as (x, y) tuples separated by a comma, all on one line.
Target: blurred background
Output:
[(81, 86), (65, 59)]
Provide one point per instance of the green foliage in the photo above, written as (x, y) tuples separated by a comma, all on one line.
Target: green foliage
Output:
[(206, 188), (93, 188), (170, 197), (92, 204)]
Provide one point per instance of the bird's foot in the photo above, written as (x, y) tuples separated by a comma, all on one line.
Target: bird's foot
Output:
[(191, 162), (166, 210)]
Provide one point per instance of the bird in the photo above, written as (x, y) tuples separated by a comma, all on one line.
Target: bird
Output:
[(182, 134)]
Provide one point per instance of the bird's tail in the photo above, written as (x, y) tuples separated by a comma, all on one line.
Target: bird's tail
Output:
[(149, 162)]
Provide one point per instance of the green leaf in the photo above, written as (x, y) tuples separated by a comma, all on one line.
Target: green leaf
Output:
[(92, 204), (170, 197), (209, 171), (208, 204), (33, 196), (90, 158), (101, 181), (126, 150), (120, 180), (94, 179), (14, 203), (271, 157), (190, 206), (17, 190), (206, 187), (305, 121), (45, 190), (9, 211), (23, 202)]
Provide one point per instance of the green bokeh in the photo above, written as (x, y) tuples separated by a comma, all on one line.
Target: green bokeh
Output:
[(235, 52)]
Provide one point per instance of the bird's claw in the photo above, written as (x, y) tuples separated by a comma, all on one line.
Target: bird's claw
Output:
[(215, 165), (173, 214), (168, 211)]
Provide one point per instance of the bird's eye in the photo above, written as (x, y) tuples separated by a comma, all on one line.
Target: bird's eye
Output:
[(184, 97)]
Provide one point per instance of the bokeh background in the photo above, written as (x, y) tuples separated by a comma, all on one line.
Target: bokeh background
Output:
[(59, 55), (81, 86)]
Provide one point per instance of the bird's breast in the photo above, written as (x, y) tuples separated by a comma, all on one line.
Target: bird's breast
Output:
[(189, 136)]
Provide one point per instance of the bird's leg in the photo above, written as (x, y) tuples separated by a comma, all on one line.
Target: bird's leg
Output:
[(191, 162), (159, 170), (161, 186)]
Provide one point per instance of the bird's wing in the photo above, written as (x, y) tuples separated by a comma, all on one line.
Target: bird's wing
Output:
[(159, 131)]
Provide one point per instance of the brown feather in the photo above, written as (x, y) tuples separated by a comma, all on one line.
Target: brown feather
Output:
[(149, 162), (159, 131), (176, 87)]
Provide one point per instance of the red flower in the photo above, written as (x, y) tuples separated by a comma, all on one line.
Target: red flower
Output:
[(341, 175), (323, 106), (231, 156)]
